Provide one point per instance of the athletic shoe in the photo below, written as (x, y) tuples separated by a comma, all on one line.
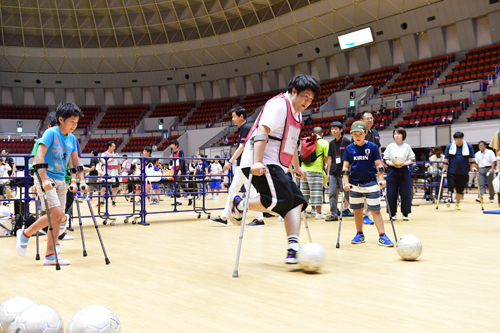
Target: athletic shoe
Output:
[(367, 220), (138, 203), (280, 219), (448, 203), (67, 237), (406, 218), (347, 213), (51, 260), (492, 201), (190, 201), (395, 218), (478, 199), (219, 220), (256, 223), (21, 242), (216, 197), (320, 216), (236, 214), (457, 206), (113, 203), (268, 215), (178, 203), (358, 239), (332, 218), (308, 214), (385, 241), (58, 249), (291, 257)]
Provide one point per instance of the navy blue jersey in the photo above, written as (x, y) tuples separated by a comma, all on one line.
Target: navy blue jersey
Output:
[(458, 164), (362, 160)]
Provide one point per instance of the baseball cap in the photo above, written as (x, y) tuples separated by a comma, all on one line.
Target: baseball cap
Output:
[(358, 126)]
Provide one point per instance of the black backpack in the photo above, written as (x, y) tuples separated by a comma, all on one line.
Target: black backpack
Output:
[(18, 224)]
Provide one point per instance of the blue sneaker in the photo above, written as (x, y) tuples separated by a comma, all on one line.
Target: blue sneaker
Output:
[(358, 239), (347, 213), (385, 241), (236, 214), (367, 220)]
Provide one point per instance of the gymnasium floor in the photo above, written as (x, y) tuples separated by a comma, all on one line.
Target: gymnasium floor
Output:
[(176, 275)]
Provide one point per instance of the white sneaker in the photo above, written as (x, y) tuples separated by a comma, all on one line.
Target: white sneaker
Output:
[(320, 216), (68, 237), (395, 218), (280, 219), (21, 247), (406, 218), (49, 262), (58, 249), (216, 198), (492, 201)]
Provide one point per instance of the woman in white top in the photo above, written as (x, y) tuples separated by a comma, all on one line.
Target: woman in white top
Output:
[(436, 168), (398, 156)]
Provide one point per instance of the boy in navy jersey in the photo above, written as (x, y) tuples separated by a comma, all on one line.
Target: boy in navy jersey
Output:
[(360, 178)]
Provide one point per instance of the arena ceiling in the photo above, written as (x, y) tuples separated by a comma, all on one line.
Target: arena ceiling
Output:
[(96, 36)]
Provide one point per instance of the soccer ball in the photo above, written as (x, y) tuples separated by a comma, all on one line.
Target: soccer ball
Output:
[(311, 257), (409, 247), (94, 319), (398, 160), (10, 308), (37, 319)]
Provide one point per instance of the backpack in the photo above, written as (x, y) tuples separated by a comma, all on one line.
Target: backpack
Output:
[(18, 223), (308, 149)]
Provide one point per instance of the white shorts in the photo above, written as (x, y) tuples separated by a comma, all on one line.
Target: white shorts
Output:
[(56, 196)]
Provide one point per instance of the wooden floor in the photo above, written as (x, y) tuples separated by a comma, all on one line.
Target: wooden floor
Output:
[(176, 275)]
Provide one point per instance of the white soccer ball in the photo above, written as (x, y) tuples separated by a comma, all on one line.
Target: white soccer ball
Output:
[(10, 308), (311, 257), (409, 247), (398, 160), (37, 319), (94, 319)]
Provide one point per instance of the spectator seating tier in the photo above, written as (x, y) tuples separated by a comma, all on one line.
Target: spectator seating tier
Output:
[(100, 144), (375, 78), (172, 110), (123, 116), (137, 144), (23, 112), (210, 111), (18, 146)]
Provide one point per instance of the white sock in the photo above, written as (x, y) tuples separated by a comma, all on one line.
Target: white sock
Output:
[(293, 242)]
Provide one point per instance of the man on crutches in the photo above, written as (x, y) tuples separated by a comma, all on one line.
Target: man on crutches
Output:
[(275, 134), (57, 147)]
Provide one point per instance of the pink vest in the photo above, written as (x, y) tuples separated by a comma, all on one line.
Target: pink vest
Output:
[(290, 134)]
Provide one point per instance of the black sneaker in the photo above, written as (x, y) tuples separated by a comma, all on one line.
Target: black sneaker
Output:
[(190, 202), (291, 257), (256, 223), (178, 203), (332, 218), (219, 220), (348, 213), (268, 215)]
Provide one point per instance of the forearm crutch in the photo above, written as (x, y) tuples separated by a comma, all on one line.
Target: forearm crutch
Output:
[(97, 228), (37, 212), (245, 209), (304, 212), (44, 194), (81, 227), (479, 189), (390, 214), (340, 218), (440, 189)]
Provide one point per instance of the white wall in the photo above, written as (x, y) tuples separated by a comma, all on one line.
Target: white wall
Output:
[(146, 95), (483, 31), (397, 52), (181, 92), (89, 97), (452, 42), (7, 96), (127, 96), (29, 96), (164, 95), (424, 49), (374, 58), (353, 63)]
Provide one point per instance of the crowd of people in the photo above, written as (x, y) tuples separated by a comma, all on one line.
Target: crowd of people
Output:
[(360, 169)]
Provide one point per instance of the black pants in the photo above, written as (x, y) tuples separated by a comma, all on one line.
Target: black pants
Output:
[(399, 183)]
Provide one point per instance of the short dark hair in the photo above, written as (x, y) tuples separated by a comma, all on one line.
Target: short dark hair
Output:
[(124, 155), (240, 111), (458, 135), (148, 149), (52, 119), (365, 112), (484, 142), (401, 131), (156, 160), (110, 143), (68, 110), (6, 149), (303, 82), (94, 152), (337, 124), (217, 156), (175, 142)]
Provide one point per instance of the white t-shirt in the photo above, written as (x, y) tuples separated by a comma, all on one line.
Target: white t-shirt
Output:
[(215, 169), (274, 117), (403, 151), (485, 159), (114, 163), (3, 173)]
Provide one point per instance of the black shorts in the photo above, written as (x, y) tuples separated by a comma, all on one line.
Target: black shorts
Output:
[(458, 182), (278, 192)]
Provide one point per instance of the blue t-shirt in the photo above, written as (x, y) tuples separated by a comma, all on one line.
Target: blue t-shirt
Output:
[(200, 168), (362, 160), (458, 164), (59, 149)]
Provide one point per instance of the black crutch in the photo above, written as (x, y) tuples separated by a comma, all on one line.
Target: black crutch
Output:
[(340, 218), (81, 227), (390, 215), (58, 267), (37, 257), (97, 228)]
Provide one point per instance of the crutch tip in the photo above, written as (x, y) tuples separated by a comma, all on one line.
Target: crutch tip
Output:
[(235, 274), (58, 267), (107, 261), (337, 246)]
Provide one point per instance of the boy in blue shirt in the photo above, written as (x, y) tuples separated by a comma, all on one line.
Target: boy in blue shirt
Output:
[(361, 162), (57, 148)]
